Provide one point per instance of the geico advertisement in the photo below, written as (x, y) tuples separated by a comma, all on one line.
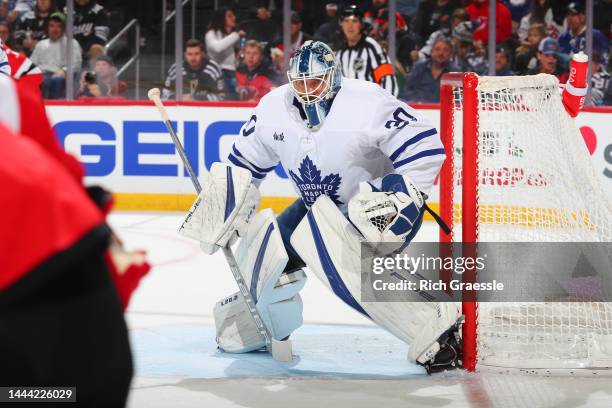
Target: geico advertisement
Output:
[(128, 149)]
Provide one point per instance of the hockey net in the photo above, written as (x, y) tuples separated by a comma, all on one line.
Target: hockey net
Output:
[(518, 170)]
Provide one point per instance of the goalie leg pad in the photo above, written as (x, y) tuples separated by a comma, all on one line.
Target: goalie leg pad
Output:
[(236, 329), (223, 207), (261, 258), (331, 247), (328, 244)]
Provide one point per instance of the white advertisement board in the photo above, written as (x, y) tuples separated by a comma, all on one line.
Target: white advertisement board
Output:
[(127, 149)]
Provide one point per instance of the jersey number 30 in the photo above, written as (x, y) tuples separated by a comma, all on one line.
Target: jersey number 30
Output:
[(401, 118)]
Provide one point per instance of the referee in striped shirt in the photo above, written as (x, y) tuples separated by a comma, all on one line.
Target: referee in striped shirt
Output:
[(361, 56)]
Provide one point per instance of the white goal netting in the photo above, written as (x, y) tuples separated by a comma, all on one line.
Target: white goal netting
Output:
[(536, 184)]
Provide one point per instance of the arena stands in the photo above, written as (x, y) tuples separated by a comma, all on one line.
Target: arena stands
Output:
[(523, 29)]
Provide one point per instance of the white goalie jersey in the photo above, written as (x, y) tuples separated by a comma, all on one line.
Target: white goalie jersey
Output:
[(367, 134)]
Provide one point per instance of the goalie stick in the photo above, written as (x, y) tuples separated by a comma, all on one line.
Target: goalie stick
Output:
[(280, 350)]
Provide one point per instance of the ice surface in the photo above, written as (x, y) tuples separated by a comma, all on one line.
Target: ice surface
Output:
[(343, 360), (189, 350)]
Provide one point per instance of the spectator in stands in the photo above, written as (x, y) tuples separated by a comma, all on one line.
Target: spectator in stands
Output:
[(102, 82), (330, 32), (382, 30), (5, 67), (32, 26), (312, 13), (407, 8), (405, 42), (600, 81), (202, 77), (7, 37), (433, 15), (221, 43), (254, 77), (91, 28), (518, 8), (541, 13), (526, 57), (331, 13), (50, 56), (503, 62), (423, 82), (361, 57), (4, 10), (608, 95), (574, 39), (5, 33), (263, 27), (20, 7), (478, 10), (298, 37), (470, 56), (459, 15), (548, 60), (377, 17), (22, 67)]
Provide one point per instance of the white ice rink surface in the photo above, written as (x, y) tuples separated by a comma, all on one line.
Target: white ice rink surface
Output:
[(343, 360)]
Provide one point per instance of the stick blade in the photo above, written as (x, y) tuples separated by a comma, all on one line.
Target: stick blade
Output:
[(282, 350)]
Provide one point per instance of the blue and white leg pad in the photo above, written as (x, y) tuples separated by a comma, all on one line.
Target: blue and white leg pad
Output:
[(331, 247), (261, 257)]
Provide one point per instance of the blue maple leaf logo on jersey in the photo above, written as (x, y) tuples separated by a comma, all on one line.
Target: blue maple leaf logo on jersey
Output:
[(311, 185)]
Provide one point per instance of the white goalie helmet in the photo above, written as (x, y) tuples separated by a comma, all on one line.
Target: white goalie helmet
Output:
[(315, 78)]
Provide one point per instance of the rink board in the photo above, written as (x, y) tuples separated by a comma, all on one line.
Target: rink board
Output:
[(126, 148)]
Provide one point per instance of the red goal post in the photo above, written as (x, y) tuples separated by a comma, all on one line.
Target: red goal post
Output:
[(468, 82)]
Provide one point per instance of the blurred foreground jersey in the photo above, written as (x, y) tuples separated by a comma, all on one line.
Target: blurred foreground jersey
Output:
[(23, 112), (60, 315), (23, 69), (44, 209)]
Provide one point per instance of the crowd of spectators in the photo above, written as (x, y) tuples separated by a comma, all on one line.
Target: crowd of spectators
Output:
[(240, 54), (433, 37), (33, 31)]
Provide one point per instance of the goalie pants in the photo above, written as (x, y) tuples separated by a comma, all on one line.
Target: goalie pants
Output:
[(288, 221), (62, 325)]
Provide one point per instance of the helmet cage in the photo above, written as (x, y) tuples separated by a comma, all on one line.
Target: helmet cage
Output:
[(307, 86)]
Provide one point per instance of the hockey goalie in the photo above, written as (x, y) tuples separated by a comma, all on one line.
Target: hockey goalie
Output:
[(362, 162)]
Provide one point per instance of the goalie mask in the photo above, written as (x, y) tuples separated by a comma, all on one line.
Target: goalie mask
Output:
[(315, 79)]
